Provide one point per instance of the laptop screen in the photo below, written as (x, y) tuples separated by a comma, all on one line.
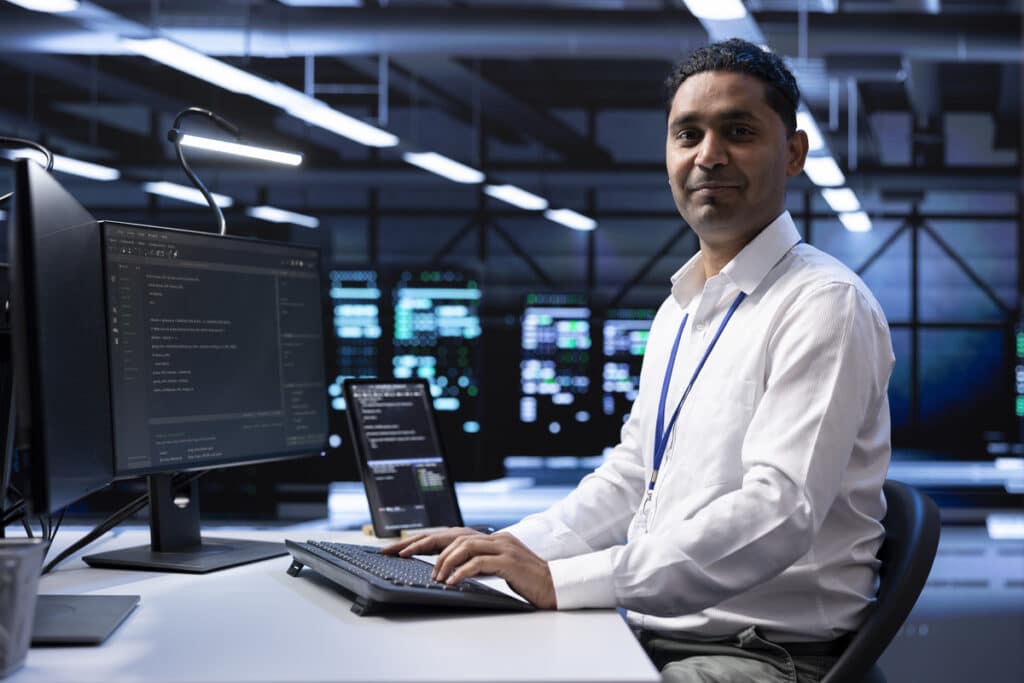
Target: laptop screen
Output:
[(400, 455)]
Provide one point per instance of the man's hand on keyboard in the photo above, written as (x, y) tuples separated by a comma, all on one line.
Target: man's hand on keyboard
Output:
[(467, 552), (503, 555), (428, 544)]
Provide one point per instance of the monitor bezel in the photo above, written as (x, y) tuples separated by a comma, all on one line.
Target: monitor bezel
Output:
[(365, 472), (275, 456)]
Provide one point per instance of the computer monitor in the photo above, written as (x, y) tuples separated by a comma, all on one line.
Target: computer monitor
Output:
[(61, 387), (56, 400), (216, 359), (142, 350)]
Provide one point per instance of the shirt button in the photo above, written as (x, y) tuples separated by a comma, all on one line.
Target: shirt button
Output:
[(700, 327)]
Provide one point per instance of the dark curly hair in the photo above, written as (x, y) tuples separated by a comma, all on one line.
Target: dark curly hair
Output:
[(740, 56)]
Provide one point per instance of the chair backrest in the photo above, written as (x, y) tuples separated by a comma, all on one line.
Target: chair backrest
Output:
[(911, 537)]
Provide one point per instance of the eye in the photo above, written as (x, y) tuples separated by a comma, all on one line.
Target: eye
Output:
[(742, 131), (688, 135)]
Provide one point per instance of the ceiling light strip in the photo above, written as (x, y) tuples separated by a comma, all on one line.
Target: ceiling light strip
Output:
[(517, 197), (274, 215), (51, 6), (237, 149), (63, 164), (571, 219), (296, 103), (186, 194), (444, 167), (855, 221)]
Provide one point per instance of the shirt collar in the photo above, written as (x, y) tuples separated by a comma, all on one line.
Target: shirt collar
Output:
[(748, 268)]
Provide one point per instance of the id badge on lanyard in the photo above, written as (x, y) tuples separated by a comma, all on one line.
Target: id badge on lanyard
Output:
[(662, 432)]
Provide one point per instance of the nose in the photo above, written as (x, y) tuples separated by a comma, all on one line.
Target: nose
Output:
[(712, 151)]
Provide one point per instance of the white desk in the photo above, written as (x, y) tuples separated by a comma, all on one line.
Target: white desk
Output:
[(257, 624)]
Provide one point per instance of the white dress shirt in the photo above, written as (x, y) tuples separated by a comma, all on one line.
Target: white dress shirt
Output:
[(766, 507)]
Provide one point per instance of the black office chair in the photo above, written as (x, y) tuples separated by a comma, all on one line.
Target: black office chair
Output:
[(911, 538)]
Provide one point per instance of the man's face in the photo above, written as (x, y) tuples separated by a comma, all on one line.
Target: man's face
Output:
[(728, 156)]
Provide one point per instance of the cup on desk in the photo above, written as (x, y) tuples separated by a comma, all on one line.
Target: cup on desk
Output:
[(20, 562)]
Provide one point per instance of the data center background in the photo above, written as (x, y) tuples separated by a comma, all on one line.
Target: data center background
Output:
[(919, 102)]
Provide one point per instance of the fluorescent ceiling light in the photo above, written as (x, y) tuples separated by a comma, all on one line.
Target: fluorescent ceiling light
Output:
[(294, 102), (54, 6), (84, 169), (841, 200), (237, 149), (202, 67), (716, 10), (806, 123), (64, 164), (516, 197), (186, 194), (275, 215), (443, 166), (824, 172), (319, 114), (856, 221), (570, 219)]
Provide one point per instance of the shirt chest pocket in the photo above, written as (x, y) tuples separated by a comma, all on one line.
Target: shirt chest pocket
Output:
[(710, 444)]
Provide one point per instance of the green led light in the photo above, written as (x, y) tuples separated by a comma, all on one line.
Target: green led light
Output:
[(1020, 406), (1020, 345)]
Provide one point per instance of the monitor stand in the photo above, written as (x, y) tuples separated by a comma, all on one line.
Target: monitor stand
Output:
[(175, 541)]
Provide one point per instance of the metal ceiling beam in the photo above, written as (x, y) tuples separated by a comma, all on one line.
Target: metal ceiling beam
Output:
[(267, 30), (463, 85)]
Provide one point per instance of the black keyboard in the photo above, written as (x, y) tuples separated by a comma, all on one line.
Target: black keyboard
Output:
[(381, 581)]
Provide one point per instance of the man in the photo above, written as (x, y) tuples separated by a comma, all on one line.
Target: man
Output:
[(738, 519)]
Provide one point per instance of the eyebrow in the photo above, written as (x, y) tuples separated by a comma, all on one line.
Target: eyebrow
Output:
[(730, 115)]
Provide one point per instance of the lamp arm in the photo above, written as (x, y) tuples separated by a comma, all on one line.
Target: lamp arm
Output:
[(174, 135)]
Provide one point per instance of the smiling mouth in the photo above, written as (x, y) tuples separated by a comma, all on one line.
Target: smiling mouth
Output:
[(714, 188)]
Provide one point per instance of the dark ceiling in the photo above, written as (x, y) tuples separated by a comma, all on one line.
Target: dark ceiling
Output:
[(559, 96)]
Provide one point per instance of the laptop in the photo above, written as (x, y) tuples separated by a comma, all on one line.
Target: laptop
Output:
[(401, 458)]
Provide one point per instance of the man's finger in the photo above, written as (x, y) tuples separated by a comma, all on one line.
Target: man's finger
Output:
[(426, 544), (481, 564), (453, 547), (462, 551), (398, 546)]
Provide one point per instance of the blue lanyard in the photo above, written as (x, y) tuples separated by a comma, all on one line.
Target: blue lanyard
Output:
[(662, 433)]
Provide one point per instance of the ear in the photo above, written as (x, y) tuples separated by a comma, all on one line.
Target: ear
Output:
[(796, 153)]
